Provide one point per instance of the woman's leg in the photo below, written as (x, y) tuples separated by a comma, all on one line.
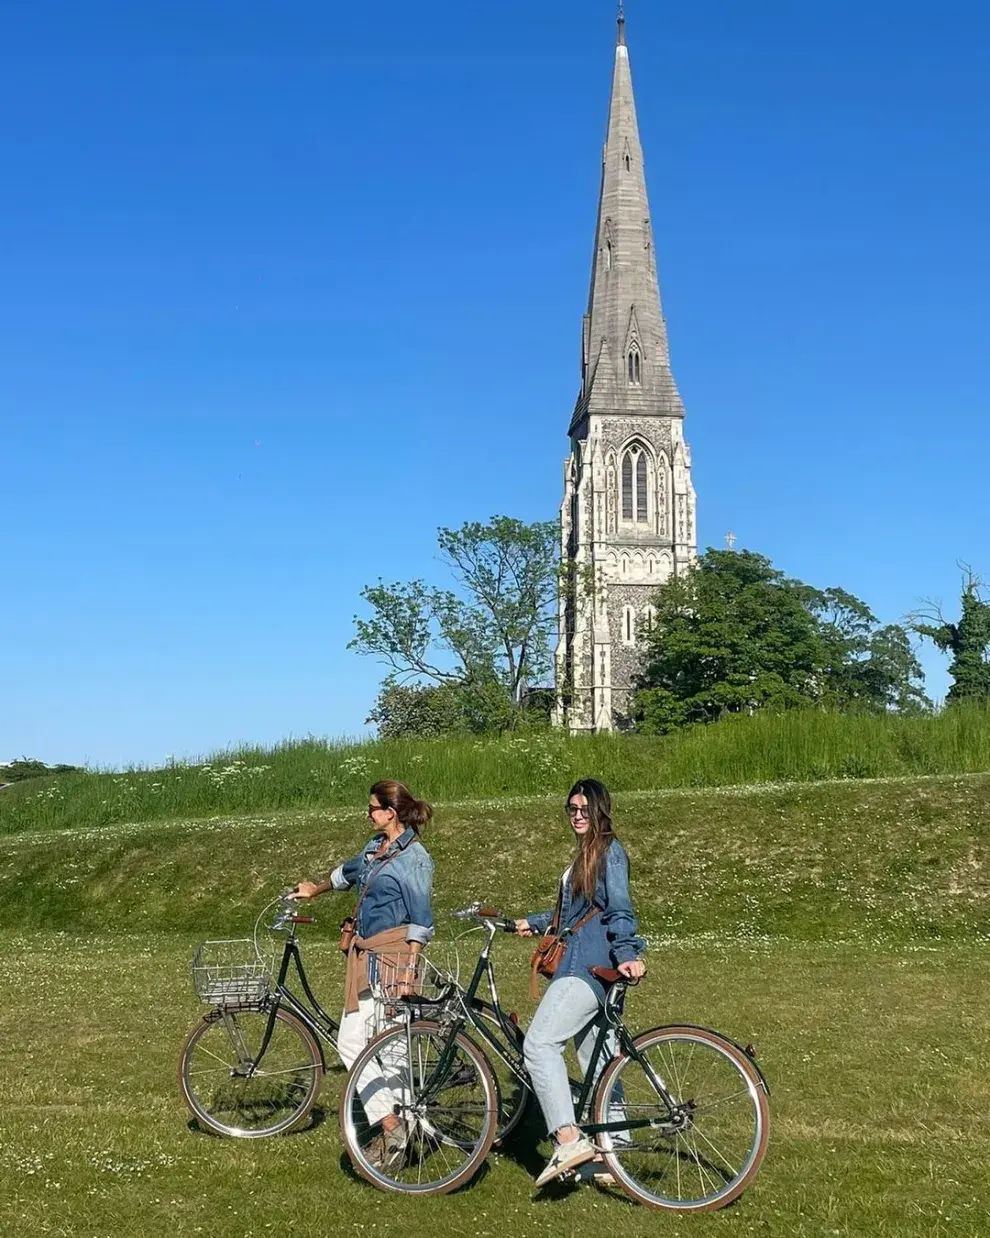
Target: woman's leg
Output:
[(356, 1029), (585, 1042), (568, 1006)]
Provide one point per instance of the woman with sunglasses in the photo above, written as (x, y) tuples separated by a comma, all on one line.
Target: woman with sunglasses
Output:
[(393, 876), (597, 921)]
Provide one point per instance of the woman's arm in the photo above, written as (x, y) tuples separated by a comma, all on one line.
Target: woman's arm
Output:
[(537, 923), (342, 878), (618, 916), (417, 890)]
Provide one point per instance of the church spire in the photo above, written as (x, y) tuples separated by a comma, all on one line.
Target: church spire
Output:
[(624, 330)]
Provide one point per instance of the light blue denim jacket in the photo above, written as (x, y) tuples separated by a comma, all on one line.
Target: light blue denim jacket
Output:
[(399, 885), (610, 937)]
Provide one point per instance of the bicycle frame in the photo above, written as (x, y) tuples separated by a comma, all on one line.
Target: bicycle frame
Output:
[(610, 1023), (321, 1024)]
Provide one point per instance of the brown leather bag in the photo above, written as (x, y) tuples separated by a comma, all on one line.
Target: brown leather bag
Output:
[(348, 931), (550, 948)]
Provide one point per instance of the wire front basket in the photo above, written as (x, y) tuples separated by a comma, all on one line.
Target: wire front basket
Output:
[(230, 973)]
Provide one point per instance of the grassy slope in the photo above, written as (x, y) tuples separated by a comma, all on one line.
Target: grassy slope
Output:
[(765, 748), (903, 859), (842, 926)]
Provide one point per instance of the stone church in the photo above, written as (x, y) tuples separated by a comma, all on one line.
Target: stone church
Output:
[(628, 513)]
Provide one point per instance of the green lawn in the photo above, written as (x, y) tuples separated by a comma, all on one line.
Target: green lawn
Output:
[(842, 927), (878, 1059)]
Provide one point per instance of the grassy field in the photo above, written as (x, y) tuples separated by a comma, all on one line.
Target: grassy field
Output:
[(794, 747), (841, 926), (878, 1060)]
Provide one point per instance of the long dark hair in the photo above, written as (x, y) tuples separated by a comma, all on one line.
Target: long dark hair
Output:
[(413, 813), (595, 841)]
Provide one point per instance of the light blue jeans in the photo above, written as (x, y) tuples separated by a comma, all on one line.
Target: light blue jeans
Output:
[(569, 1009)]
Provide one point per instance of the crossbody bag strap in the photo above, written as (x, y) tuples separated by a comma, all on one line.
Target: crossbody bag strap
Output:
[(368, 884), (554, 926), (588, 915)]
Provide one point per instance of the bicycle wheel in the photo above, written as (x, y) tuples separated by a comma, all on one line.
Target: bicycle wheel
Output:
[(513, 1092), (230, 1092), (703, 1153), (444, 1092)]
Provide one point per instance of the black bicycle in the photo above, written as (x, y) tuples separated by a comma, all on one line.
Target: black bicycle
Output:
[(253, 1064), (679, 1114)]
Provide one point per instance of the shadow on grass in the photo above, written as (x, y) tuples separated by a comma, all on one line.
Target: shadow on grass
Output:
[(314, 1119), (348, 1169)]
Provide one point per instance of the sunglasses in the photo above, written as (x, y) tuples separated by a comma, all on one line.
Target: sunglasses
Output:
[(577, 810)]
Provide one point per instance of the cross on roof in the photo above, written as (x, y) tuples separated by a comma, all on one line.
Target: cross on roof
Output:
[(730, 540)]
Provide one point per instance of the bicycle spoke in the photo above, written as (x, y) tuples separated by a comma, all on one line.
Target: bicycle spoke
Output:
[(448, 1108)]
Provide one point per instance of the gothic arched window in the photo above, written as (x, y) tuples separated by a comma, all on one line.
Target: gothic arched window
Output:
[(635, 367), (608, 255), (628, 625), (627, 163), (635, 485)]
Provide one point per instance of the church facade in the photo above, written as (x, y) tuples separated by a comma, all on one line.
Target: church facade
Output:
[(628, 514)]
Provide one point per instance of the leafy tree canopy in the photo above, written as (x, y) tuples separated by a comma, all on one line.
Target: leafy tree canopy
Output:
[(734, 634), (968, 641), (477, 647), (29, 767)]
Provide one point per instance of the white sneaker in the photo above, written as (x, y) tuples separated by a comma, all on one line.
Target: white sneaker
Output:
[(567, 1156)]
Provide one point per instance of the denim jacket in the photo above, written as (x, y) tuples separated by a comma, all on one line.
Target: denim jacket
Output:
[(398, 884), (610, 937)]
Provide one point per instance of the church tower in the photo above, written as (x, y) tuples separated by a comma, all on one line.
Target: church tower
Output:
[(628, 514)]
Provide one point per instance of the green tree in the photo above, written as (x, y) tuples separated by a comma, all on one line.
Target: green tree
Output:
[(968, 641), (734, 634), (30, 767), (484, 642)]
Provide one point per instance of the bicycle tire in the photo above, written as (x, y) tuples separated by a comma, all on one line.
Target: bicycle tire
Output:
[(289, 1099), (681, 1146), (389, 1046)]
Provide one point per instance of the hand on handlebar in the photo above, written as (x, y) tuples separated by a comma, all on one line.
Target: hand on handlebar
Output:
[(635, 969), (522, 927), (304, 890)]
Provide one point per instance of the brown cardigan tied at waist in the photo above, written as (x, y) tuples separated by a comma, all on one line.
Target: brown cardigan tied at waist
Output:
[(399, 956)]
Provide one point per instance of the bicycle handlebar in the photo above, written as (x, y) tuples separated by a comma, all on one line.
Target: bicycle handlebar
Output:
[(485, 915)]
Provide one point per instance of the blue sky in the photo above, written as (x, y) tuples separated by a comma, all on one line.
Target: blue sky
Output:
[(283, 287)]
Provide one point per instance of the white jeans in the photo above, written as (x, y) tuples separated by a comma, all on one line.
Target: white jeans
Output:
[(357, 1027)]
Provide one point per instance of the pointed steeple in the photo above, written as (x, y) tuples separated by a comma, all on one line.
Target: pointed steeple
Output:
[(624, 325)]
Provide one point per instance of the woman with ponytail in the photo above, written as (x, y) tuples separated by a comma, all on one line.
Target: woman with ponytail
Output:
[(595, 918), (393, 876)]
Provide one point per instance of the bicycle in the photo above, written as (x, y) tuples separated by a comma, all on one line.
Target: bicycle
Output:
[(679, 1114), (252, 1066)]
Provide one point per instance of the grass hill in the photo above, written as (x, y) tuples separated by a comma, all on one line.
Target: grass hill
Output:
[(840, 922), (799, 746), (896, 858)]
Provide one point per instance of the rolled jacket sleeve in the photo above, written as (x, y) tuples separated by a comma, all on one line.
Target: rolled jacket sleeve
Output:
[(618, 918), (417, 890), (539, 922), (346, 874)]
